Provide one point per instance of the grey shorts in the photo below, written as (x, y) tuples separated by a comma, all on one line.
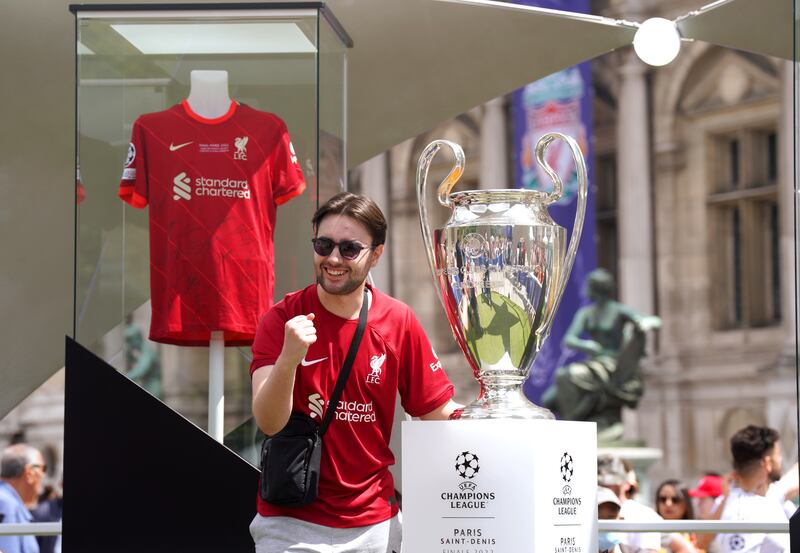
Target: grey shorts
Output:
[(290, 535)]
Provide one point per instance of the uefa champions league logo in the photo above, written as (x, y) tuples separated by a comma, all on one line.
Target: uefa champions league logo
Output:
[(566, 506), (566, 473), (131, 155), (467, 466), (566, 467)]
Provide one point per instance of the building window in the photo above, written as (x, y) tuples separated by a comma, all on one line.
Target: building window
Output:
[(744, 229)]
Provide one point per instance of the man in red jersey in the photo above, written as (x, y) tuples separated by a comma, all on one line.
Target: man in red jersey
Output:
[(299, 349)]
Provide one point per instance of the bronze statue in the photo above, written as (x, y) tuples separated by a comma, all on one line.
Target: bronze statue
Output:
[(141, 361), (597, 388)]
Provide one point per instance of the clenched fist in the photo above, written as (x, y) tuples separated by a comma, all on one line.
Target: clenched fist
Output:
[(299, 334)]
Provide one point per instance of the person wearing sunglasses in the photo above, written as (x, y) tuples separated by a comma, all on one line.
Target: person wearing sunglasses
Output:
[(22, 472), (673, 503), (298, 352)]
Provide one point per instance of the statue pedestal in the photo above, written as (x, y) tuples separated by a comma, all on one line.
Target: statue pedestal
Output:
[(640, 459), (499, 486)]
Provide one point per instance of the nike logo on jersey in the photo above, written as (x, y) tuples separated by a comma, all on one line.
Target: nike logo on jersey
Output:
[(309, 363), (174, 147)]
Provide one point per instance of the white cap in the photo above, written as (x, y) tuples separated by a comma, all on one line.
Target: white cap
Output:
[(605, 495)]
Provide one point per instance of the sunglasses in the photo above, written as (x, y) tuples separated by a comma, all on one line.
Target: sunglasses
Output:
[(349, 249), (670, 499)]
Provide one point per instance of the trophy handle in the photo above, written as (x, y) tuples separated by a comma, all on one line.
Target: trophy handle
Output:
[(580, 213), (445, 186)]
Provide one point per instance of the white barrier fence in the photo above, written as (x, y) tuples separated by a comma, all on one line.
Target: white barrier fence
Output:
[(663, 526), (31, 529), (695, 526)]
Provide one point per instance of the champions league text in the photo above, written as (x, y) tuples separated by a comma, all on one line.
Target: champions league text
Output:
[(467, 500), (567, 505)]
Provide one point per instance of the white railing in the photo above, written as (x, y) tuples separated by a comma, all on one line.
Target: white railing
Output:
[(663, 526), (696, 526), (31, 529)]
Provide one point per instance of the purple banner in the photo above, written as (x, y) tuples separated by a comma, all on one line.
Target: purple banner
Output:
[(560, 102)]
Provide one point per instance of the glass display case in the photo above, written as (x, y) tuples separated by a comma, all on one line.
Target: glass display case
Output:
[(149, 79)]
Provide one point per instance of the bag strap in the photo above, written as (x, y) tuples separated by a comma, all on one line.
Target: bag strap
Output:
[(348, 364)]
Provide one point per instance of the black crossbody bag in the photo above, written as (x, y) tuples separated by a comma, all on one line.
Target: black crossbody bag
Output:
[(290, 459)]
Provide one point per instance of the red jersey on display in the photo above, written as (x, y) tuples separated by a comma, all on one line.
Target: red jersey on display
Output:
[(356, 487), (212, 186)]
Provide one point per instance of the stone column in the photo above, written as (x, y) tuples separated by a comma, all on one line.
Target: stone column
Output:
[(494, 154), (375, 184), (787, 195), (779, 381), (634, 213)]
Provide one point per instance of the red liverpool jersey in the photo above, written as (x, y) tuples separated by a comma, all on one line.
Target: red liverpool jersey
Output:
[(355, 486), (213, 186)]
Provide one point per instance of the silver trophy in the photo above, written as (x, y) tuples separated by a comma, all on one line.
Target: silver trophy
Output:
[(500, 265)]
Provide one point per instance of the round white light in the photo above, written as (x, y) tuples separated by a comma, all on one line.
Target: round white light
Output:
[(657, 41)]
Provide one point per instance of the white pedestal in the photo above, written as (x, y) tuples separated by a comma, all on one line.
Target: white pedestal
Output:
[(499, 486)]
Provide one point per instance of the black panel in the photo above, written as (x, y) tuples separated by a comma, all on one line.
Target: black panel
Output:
[(794, 531), (139, 477)]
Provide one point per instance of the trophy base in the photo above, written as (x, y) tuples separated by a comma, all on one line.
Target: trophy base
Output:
[(505, 404)]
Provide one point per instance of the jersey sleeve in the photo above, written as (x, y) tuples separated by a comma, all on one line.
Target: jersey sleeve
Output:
[(287, 177), (423, 384), (133, 187), (268, 342)]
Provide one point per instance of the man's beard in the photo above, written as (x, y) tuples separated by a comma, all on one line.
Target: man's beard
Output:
[(342, 289), (347, 287), (774, 475)]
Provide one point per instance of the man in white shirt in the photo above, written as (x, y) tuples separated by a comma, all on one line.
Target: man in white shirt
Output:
[(756, 463)]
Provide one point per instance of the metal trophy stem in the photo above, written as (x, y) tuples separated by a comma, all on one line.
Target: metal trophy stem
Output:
[(500, 265)]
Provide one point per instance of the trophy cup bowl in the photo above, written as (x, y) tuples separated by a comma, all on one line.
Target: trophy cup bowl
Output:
[(500, 265)]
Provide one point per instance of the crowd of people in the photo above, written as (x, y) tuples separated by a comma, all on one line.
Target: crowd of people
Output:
[(756, 490), (24, 498)]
